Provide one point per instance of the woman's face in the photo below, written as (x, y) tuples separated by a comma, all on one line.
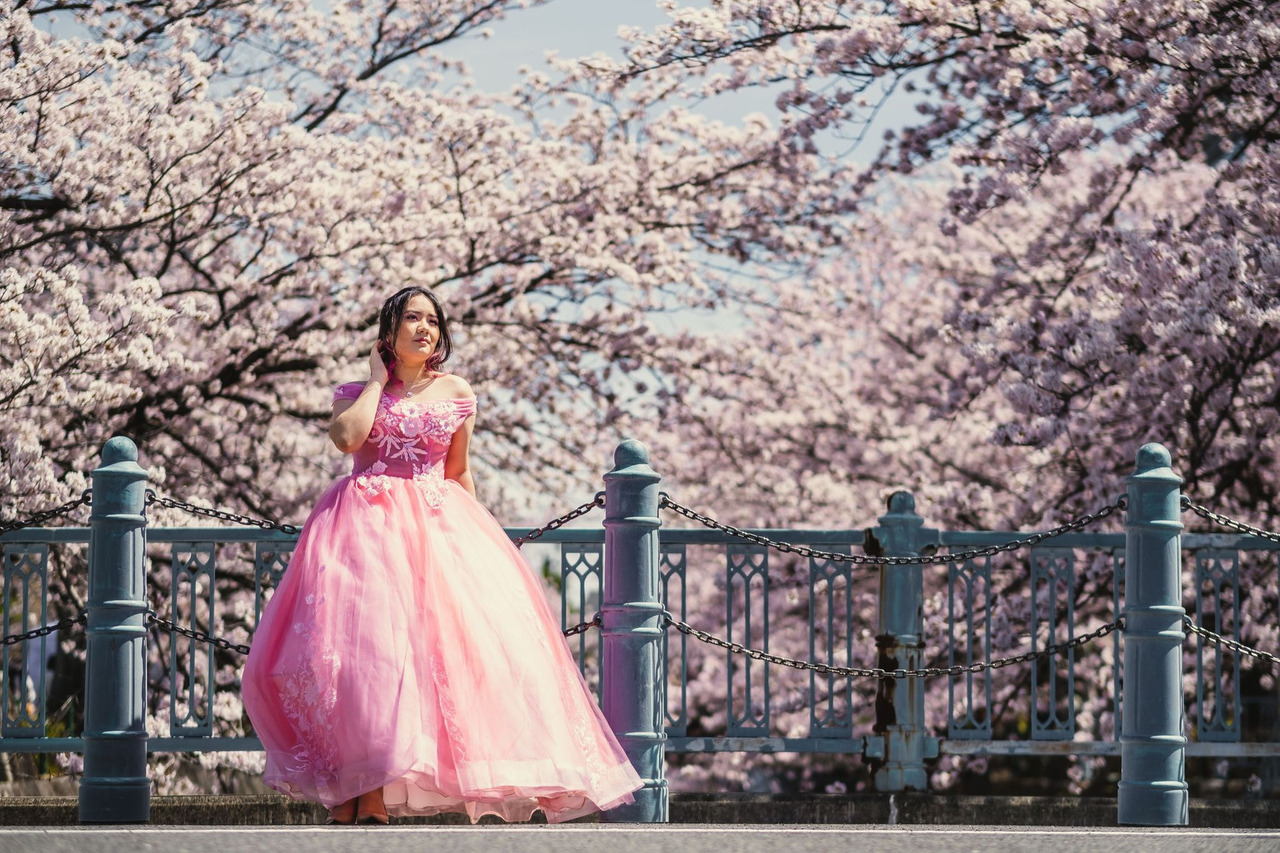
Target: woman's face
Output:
[(419, 331)]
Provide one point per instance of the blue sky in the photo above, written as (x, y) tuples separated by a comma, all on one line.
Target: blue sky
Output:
[(571, 27), (576, 28)]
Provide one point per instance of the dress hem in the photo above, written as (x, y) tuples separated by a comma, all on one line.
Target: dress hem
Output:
[(510, 809)]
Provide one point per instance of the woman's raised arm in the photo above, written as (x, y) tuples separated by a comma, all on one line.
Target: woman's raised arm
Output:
[(353, 419)]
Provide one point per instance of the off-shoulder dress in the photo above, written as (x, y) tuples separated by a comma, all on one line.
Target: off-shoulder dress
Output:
[(409, 647)]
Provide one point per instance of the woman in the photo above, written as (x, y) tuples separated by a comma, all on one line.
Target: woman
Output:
[(407, 663)]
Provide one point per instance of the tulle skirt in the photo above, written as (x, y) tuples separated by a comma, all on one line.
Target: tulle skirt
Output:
[(409, 647)]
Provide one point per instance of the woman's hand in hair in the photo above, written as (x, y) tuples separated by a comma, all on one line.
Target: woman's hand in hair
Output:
[(377, 366)]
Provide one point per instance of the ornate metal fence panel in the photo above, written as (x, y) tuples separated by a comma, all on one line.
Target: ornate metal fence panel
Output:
[(26, 592), (969, 642), (1040, 585), (1053, 619), (191, 667), (675, 652), (769, 711), (831, 707), (1217, 589)]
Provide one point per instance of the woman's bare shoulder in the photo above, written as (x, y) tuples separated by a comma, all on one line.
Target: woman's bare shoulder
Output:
[(455, 386)]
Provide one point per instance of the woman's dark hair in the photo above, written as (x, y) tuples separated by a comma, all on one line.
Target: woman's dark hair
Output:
[(393, 313)]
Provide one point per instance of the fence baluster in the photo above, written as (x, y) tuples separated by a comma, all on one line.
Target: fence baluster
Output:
[(579, 599), (674, 560), (831, 591), (964, 580), (23, 712), (1217, 595), (747, 571), (1053, 712)]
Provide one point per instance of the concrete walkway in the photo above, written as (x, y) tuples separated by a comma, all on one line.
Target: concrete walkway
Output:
[(594, 838), (732, 810)]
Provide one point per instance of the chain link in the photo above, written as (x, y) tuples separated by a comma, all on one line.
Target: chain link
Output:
[(562, 520), (154, 618), (593, 622), (153, 498), (85, 499), (1239, 648), (36, 633), (870, 560), (876, 672), (1210, 515), (200, 636)]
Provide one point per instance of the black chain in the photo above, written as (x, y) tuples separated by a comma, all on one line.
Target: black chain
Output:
[(1240, 648), (36, 633), (593, 622), (85, 499), (153, 498), (225, 644), (869, 560), (200, 636), (876, 672), (1210, 515), (562, 520)]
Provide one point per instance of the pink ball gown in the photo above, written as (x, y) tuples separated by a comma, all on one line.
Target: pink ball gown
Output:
[(409, 647)]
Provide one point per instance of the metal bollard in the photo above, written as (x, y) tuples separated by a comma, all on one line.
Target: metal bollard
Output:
[(631, 629), (115, 787), (901, 742), (1153, 743)]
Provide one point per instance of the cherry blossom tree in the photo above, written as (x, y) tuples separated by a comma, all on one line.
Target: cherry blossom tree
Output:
[(1089, 220), (204, 202), (278, 171), (1072, 250)]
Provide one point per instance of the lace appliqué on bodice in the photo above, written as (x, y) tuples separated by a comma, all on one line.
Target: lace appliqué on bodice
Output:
[(417, 433), (430, 482), (409, 440), (374, 481)]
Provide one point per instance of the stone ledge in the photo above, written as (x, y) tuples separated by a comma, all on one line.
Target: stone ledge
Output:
[(940, 809), (870, 809)]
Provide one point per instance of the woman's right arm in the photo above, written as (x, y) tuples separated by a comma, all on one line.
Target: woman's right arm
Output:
[(353, 419)]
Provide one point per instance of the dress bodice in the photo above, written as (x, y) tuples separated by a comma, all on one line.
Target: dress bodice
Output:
[(409, 438)]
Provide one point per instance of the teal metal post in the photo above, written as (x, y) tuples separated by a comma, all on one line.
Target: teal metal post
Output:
[(631, 629), (115, 788), (901, 742), (1153, 743)]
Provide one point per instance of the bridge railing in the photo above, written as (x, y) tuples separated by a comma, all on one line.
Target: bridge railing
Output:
[(956, 609)]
